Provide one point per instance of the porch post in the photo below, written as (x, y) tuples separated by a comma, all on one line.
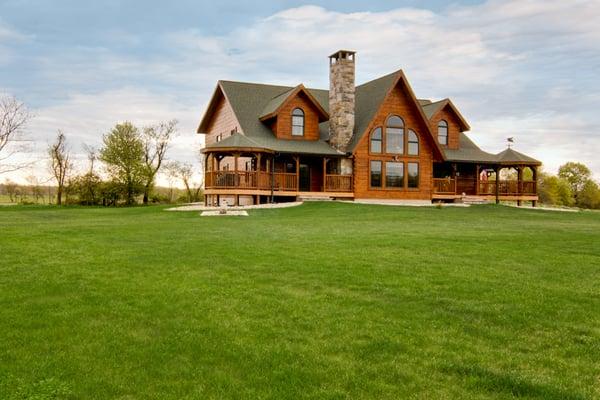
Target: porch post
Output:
[(236, 178), (534, 174), (257, 171), (497, 170), (297, 158), (454, 169), (324, 174), (477, 181), (519, 183), (273, 178)]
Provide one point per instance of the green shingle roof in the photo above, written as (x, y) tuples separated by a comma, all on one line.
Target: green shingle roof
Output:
[(469, 152), (250, 101), (514, 157)]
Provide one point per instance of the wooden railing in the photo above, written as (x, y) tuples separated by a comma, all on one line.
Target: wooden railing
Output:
[(264, 180), (468, 186), (338, 183), (444, 186), (285, 181)]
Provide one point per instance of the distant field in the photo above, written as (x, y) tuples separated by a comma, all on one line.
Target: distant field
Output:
[(321, 301)]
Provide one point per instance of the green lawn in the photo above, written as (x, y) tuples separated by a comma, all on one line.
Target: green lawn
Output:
[(321, 301)]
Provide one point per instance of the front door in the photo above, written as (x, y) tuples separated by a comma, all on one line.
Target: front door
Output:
[(304, 178)]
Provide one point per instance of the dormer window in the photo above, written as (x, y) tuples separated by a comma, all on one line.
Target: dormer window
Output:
[(443, 132), (297, 122)]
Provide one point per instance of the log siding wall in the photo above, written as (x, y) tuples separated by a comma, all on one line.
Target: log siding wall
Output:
[(453, 126), (282, 127), (398, 103)]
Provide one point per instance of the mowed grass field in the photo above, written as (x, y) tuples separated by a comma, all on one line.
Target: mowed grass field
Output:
[(321, 301)]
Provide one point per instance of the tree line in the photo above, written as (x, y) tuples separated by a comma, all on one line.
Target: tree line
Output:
[(131, 159)]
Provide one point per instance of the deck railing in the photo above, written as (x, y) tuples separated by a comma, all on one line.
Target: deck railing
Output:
[(280, 181), (338, 183), (444, 186), (509, 187)]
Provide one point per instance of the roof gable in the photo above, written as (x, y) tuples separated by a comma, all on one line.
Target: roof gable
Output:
[(371, 96), (280, 101), (432, 109)]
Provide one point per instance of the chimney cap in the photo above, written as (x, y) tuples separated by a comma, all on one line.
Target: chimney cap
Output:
[(342, 54)]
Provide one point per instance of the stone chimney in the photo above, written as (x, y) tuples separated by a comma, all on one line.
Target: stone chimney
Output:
[(341, 98)]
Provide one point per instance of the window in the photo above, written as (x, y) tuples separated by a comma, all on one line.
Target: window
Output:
[(394, 135), (413, 143), (394, 174), (443, 132), (376, 140), (375, 173), (219, 137), (413, 175), (297, 122)]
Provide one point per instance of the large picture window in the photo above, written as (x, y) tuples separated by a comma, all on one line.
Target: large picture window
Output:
[(443, 132), (394, 174), (376, 174), (297, 122), (376, 140), (413, 175), (413, 143), (394, 135)]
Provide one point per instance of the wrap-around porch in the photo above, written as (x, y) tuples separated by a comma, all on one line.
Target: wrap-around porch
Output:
[(259, 176), (499, 182)]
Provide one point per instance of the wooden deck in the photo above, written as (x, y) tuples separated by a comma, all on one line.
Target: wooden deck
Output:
[(502, 190)]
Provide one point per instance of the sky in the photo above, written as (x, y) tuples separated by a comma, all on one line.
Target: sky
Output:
[(528, 69)]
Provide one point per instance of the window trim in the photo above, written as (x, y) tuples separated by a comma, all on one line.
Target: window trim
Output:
[(403, 127), (408, 142), (380, 141), (303, 126), (442, 123), (381, 173), (418, 187)]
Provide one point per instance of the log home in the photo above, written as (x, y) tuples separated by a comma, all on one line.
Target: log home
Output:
[(268, 143)]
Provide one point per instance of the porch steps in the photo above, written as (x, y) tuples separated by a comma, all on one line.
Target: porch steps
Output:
[(314, 198), (475, 200)]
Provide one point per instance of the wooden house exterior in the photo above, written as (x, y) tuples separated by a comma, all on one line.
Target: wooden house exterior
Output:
[(266, 143)]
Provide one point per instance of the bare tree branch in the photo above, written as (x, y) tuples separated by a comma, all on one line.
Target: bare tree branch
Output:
[(156, 143), (60, 163), (13, 119)]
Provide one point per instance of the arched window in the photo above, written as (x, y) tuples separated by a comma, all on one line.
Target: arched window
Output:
[(413, 143), (297, 122), (443, 132), (376, 140), (394, 135)]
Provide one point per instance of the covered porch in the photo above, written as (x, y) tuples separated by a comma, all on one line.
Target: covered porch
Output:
[(255, 176), (490, 181)]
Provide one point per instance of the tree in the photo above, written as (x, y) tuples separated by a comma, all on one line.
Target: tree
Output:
[(185, 172), (554, 190), (13, 118), (589, 196), (60, 164), (576, 174), (156, 140), (123, 154), (10, 189), (35, 188)]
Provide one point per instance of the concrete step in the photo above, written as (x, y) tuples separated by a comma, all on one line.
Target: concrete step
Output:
[(314, 198), (475, 200)]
